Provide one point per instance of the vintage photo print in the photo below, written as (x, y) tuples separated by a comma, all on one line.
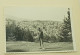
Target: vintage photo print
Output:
[(38, 29)]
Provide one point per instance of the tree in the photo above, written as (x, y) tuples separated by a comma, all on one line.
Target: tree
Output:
[(10, 28), (66, 28)]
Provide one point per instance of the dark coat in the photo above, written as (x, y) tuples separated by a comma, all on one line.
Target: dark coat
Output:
[(40, 35)]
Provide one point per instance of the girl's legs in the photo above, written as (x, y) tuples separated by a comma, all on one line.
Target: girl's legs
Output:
[(41, 43)]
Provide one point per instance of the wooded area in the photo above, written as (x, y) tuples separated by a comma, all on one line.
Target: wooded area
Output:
[(53, 31)]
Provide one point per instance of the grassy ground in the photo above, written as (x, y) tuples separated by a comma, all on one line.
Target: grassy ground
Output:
[(22, 46)]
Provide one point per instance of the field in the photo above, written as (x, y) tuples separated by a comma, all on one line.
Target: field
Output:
[(23, 46)]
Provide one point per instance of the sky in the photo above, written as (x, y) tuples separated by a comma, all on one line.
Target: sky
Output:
[(35, 13)]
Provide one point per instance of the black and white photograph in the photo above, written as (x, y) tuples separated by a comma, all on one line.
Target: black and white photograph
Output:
[(38, 29)]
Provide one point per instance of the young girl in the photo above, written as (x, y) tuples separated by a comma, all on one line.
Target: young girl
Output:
[(41, 38)]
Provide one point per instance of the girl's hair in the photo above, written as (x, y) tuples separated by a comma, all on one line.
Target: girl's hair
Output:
[(39, 29)]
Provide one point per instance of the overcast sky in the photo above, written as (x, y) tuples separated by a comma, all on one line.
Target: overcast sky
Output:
[(35, 13)]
